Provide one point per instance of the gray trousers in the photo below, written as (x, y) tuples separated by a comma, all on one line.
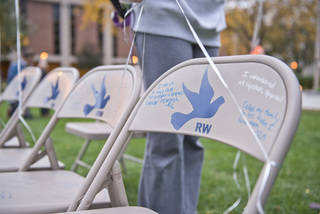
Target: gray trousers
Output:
[(171, 173)]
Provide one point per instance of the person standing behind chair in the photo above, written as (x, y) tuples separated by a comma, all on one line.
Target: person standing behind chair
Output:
[(26, 60), (171, 174)]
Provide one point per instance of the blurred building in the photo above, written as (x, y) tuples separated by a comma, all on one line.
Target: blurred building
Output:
[(56, 28)]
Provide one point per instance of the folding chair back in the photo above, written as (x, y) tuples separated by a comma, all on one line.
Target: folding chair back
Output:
[(102, 96), (54, 88), (191, 99), (106, 93), (50, 93), (28, 80)]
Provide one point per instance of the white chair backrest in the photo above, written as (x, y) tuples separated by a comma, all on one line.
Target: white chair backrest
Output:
[(191, 99), (28, 78), (50, 93), (103, 94), (53, 88)]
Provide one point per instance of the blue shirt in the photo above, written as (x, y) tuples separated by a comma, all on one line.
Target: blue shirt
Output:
[(13, 70)]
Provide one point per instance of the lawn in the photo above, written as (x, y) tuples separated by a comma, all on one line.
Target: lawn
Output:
[(298, 183)]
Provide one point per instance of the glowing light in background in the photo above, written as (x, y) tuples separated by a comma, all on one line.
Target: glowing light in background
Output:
[(294, 65), (43, 56), (135, 60)]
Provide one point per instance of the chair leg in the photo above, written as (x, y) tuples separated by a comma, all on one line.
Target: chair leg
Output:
[(123, 156), (117, 192), (80, 155), (51, 154), (20, 135), (122, 162)]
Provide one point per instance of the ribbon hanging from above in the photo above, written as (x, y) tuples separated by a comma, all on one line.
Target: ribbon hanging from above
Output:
[(269, 163)]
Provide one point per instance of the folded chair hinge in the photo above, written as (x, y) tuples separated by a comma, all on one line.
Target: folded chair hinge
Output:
[(79, 200)]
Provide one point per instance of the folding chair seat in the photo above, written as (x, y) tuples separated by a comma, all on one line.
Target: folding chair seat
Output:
[(118, 210), (197, 102), (28, 78), (49, 93), (106, 93), (95, 131)]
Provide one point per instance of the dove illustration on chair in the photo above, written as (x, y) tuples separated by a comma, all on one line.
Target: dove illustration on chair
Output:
[(28, 80), (101, 100), (23, 84), (54, 92), (201, 103)]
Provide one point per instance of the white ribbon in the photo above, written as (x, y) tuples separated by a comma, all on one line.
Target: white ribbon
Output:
[(255, 41), (27, 127), (0, 62), (1, 120), (18, 52), (19, 71), (215, 69), (130, 51), (236, 181), (124, 22)]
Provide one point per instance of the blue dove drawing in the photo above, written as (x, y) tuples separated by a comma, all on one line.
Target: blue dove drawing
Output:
[(23, 84), (201, 103), (101, 100), (54, 92)]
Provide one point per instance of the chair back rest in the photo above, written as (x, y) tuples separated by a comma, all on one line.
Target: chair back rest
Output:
[(191, 99), (50, 93), (28, 79), (103, 94), (53, 88)]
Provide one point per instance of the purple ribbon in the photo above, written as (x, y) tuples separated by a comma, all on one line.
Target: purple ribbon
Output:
[(116, 21)]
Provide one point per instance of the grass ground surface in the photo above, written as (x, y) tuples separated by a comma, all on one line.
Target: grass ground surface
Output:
[(297, 185)]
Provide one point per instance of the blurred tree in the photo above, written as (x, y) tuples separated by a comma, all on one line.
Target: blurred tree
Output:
[(8, 26), (93, 10), (287, 30), (89, 58)]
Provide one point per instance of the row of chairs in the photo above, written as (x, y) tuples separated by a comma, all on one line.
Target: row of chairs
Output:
[(188, 99)]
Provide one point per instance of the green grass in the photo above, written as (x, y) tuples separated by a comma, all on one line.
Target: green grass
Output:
[(297, 185)]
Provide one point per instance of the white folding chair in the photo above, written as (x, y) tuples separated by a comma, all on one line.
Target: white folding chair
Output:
[(50, 93), (97, 130), (106, 93), (198, 103), (28, 80)]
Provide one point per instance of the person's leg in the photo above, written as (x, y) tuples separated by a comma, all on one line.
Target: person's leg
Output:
[(194, 154), (162, 180), (193, 161)]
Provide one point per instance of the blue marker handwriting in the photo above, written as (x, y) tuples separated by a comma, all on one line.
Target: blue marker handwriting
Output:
[(261, 119), (164, 94)]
